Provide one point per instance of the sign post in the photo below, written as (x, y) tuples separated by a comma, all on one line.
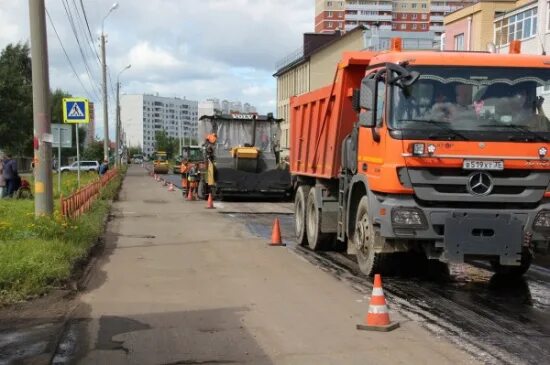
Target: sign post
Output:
[(76, 111), (64, 140)]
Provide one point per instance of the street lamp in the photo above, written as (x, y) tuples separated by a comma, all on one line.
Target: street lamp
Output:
[(104, 85), (117, 137)]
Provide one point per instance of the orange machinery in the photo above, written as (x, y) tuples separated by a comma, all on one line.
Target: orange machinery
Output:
[(443, 153)]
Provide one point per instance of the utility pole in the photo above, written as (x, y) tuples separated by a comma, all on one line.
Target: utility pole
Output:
[(105, 105), (117, 128), (43, 183), (118, 123), (104, 85)]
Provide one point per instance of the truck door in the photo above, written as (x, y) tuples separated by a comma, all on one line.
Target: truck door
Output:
[(371, 141)]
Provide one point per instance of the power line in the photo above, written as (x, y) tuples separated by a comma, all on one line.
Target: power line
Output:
[(67, 56), (84, 58), (82, 21), (89, 30)]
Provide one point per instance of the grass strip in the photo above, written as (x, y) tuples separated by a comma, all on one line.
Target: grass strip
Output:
[(39, 254)]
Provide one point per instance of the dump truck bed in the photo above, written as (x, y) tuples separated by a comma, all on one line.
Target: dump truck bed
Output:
[(321, 119)]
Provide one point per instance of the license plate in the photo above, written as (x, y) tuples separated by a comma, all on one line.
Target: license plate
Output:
[(482, 165)]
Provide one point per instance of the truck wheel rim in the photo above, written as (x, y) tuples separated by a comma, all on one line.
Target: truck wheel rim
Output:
[(362, 232)]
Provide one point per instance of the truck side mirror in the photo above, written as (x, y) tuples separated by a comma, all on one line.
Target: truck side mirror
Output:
[(367, 102)]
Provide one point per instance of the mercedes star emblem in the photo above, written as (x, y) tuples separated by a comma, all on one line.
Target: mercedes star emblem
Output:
[(480, 183)]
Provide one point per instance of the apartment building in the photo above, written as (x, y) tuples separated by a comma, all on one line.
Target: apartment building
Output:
[(329, 15), (471, 28), (143, 115), (212, 105), (397, 15)]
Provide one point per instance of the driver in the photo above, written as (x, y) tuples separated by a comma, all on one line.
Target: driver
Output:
[(461, 107)]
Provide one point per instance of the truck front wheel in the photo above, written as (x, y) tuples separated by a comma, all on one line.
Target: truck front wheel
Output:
[(364, 238), (300, 213)]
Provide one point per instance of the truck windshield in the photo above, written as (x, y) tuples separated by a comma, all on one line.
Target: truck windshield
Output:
[(474, 103)]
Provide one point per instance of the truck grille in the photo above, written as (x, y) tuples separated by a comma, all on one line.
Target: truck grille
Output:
[(453, 185)]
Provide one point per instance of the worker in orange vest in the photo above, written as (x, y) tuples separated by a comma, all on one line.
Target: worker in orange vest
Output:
[(184, 167)]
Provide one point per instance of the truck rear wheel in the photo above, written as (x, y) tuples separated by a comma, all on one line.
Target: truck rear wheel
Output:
[(300, 213), (514, 271), (364, 237), (316, 239)]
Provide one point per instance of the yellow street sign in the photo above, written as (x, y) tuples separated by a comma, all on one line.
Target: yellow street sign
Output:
[(76, 110)]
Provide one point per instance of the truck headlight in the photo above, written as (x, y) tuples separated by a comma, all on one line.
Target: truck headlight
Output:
[(409, 217), (542, 221)]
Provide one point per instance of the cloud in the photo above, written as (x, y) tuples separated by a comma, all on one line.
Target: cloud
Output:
[(192, 48)]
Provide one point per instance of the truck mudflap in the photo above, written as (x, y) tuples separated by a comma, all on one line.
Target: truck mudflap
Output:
[(235, 182), (474, 234)]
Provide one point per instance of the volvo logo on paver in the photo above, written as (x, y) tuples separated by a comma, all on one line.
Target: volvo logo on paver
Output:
[(480, 183)]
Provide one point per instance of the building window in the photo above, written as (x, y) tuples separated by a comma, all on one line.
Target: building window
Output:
[(403, 5), (424, 6), (424, 16), (518, 26), (340, 14), (403, 26), (414, 16), (459, 42), (329, 4), (330, 24), (329, 14), (414, 5), (414, 26)]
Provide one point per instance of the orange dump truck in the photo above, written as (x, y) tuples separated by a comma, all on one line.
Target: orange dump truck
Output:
[(444, 153)]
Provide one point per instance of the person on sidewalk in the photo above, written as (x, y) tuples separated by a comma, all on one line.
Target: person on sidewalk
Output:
[(103, 168), (10, 175), (2, 180)]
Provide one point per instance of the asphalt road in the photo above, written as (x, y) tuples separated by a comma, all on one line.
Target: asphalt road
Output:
[(180, 284), (492, 318), (495, 319)]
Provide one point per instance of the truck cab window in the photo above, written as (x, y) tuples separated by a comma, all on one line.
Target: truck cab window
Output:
[(380, 102)]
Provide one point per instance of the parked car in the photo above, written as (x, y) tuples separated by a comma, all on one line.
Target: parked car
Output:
[(84, 166)]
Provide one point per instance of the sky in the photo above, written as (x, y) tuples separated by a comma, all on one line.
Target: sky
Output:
[(196, 49)]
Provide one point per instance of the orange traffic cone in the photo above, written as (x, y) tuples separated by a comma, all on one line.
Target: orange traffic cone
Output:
[(276, 234), (171, 187), (378, 318), (210, 203)]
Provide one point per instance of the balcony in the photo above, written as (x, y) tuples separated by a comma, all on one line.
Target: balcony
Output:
[(437, 18), (442, 8), (370, 7), (369, 18)]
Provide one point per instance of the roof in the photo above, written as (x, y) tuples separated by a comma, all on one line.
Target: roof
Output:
[(241, 117), (460, 59), (307, 56)]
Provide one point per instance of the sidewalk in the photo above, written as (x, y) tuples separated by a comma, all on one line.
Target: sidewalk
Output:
[(182, 284)]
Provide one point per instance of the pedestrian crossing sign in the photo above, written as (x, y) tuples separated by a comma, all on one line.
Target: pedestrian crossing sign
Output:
[(76, 110)]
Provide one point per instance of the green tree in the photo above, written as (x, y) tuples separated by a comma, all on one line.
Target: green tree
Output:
[(165, 143), (16, 115), (56, 105), (94, 151), (134, 151)]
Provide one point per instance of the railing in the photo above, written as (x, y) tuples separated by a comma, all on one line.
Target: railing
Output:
[(81, 200)]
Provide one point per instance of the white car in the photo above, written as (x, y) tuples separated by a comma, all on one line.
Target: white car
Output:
[(84, 166)]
